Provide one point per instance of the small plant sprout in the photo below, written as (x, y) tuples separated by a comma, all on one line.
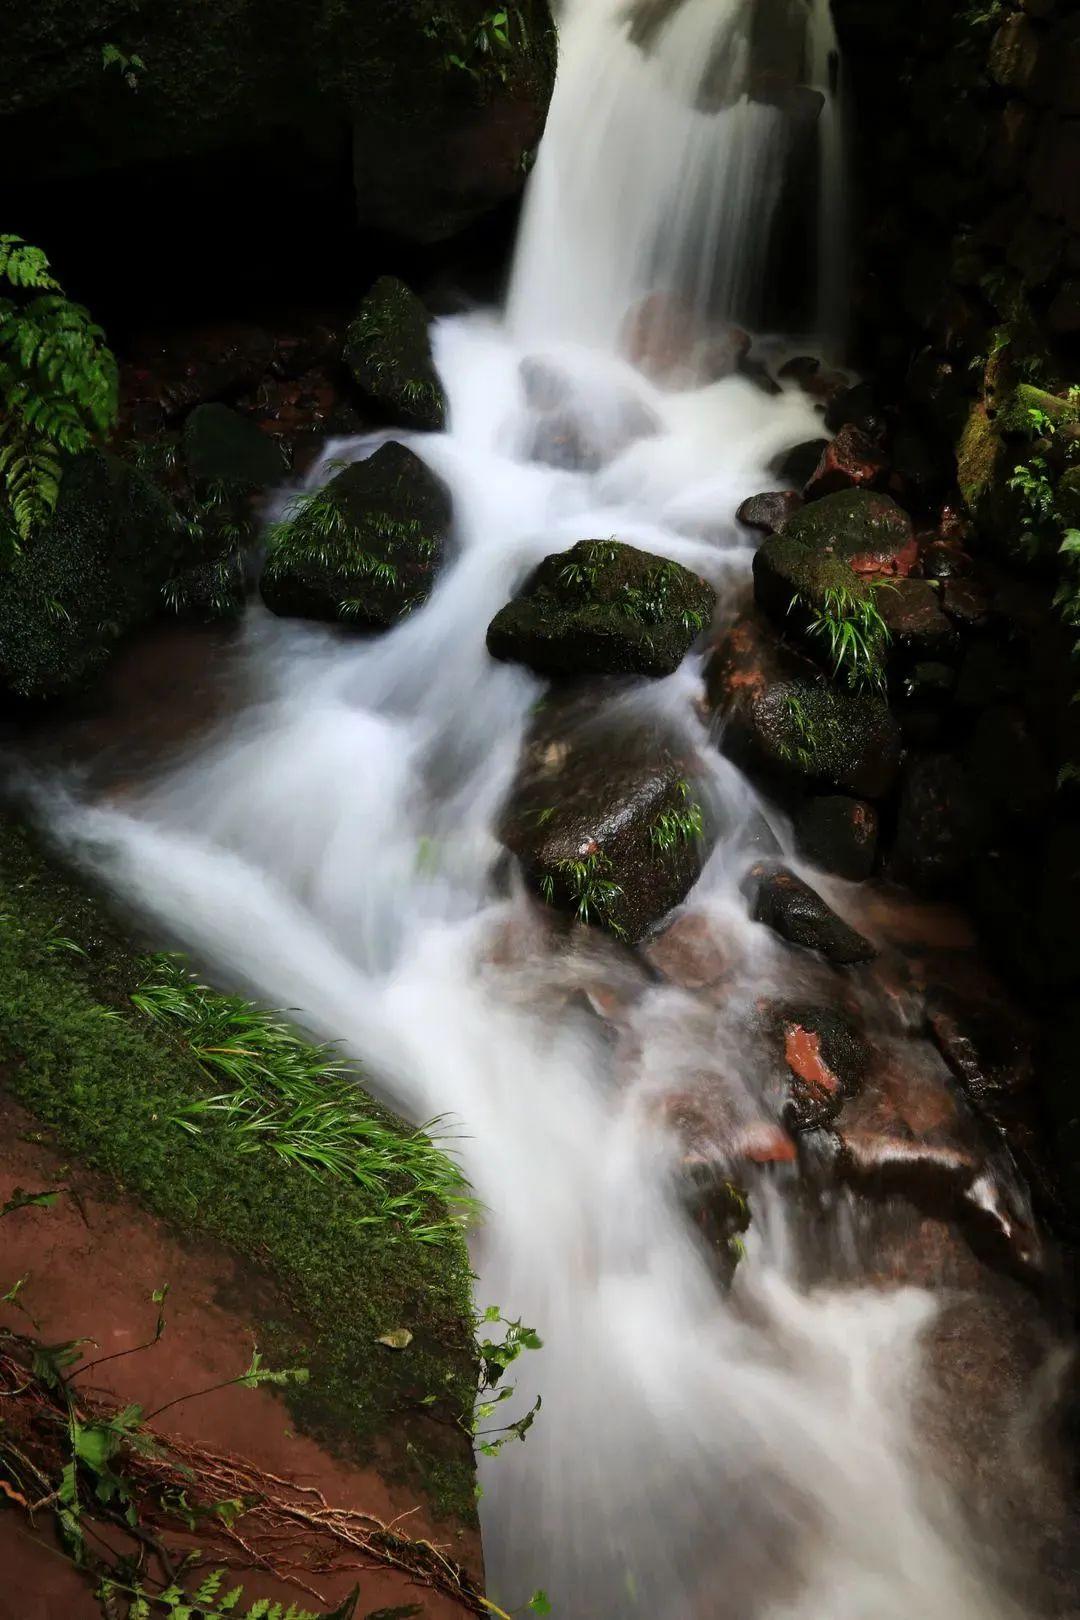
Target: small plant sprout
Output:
[(679, 828), (849, 620)]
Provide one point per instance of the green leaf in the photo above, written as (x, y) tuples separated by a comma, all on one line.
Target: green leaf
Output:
[(540, 1603), (20, 1199)]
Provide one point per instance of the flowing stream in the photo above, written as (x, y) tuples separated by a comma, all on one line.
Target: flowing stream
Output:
[(699, 1453)]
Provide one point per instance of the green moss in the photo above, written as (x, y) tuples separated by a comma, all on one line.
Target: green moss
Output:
[(85, 579), (981, 458), (1028, 409), (603, 608), (364, 551), (388, 351), (110, 1084)]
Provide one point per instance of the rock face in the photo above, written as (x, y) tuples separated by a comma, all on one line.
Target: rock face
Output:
[(443, 113), (792, 909), (223, 447), (603, 817), (782, 719), (603, 608), (388, 352), (364, 551), (87, 578)]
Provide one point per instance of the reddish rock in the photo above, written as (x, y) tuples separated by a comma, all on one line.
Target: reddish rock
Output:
[(688, 953), (851, 461), (802, 1053), (820, 1061), (911, 609), (769, 512)]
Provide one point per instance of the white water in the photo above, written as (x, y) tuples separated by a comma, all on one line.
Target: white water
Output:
[(697, 1455)]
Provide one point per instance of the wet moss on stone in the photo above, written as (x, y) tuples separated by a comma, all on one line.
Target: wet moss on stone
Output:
[(108, 1084), (388, 352), (363, 551), (603, 608)]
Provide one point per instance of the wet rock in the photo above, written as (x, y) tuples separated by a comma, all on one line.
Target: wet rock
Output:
[(603, 816), (579, 439), (85, 579), (792, 909), (967, 603), (769, 512), (930, 682), (839, 834), (666, 340), (388, 353), (988, 1044), (167, 376), (824, 1060), (365, 550), (940, 828), (783, 720), (917, 626), (689, 953), (851, 461), (603, 608), (855, 407), (222, 447), (798, 465), (757, 372), (847, 541)]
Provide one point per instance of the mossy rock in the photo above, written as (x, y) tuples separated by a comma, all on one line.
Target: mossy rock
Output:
[(605, 818), (388, 352), (1020, 413), (365, 550), (603, 608), (443, 118), (89, 576), (841, 539), (984, 465), (824, 737), (222, 447), (108, 1084)]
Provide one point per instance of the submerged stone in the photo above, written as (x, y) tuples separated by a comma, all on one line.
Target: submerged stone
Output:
[(603, 608), (365, 550)]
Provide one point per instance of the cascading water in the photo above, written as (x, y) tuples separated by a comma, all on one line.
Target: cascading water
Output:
[(698, 1454)]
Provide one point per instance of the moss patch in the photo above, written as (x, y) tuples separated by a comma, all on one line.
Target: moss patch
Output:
[(111, 1084), (388, 352), (603, 608), (364, 551)]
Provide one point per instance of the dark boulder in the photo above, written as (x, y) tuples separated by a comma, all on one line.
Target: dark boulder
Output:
[(86, 578), (940, 827), (919, 630), (1008, 768), (603, 816), (363, 551), (782, 719), (855, 407), (839, 834), (224, 448), (769, 512), (798, 465), (388, 353), (851, 461), (792, 909), (603, 608)]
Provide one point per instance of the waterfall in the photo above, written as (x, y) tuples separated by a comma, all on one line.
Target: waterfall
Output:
[(737, 1456)]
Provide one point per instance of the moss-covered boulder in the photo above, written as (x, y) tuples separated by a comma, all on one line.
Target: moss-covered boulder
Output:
[(388, 352), (783, 721), (603, 608), (443, 103), (363, 551), (984, 465), (223, 448), (604, 816), (85, 579), (845, 539)]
